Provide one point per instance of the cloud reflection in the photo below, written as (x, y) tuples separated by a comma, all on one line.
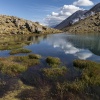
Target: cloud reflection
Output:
[(69, 48), (83, 54)]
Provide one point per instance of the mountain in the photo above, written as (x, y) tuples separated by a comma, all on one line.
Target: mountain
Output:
[(15, 25), (94, 9), (90, 24), (82, 21), (71, 19)]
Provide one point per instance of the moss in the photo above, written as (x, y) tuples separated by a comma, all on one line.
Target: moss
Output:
[(21, 50)]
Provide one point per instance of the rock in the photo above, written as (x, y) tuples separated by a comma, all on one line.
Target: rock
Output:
[(30, 27), (22, 27), (17, 22), (38, 29)]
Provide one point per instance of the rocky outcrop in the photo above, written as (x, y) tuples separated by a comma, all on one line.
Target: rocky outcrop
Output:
[(14, 25)]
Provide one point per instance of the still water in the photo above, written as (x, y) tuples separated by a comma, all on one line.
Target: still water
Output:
[(65, 46)]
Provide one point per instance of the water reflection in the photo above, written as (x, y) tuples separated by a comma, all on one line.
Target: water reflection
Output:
[(66, 46), (82, 46)]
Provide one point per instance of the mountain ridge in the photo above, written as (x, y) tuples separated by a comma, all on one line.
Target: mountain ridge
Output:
[(90, 24), (69, 20), (92, 17)]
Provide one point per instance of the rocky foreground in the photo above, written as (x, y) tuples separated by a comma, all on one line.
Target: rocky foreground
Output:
[(90, 24), (14, 25)]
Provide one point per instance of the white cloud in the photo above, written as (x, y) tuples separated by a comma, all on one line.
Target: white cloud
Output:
[(64, 12), (83, 3)]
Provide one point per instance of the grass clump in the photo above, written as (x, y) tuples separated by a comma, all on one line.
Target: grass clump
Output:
[(90, 72), (21, 50), (83, 63), (11, 68), (15, 65), (34, 56), (25, 60), (54, 73), (53, 61)]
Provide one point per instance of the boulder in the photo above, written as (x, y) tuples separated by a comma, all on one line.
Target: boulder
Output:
[(38, 29), (30, 27)]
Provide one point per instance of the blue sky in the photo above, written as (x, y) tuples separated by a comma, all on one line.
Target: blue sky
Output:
[(45, 11)]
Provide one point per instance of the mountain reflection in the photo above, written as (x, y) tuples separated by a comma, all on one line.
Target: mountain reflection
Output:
[(82, 46)]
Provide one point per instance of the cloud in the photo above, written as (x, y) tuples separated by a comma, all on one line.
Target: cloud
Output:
[(83, 3), (63, 13)]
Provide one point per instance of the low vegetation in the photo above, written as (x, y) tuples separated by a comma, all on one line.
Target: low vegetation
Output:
[(50, 82), (21, 50), (53, 61), (34, 56), (15, 65)]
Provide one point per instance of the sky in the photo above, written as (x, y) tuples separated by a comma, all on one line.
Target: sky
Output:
[(47, 12)]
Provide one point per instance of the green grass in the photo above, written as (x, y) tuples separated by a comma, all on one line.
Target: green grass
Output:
[(90, 72), (11, 68), (54, 73), (53, 60), (14, 65), (83, 63), (21, 50), (34, 56)]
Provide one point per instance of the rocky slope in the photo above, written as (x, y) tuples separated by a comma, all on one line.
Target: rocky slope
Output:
[(90, 24), (94, 9), (14, 25), (82, 21), (71, 19)]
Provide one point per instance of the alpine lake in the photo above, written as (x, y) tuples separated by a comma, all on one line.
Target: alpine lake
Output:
[(75, 53)]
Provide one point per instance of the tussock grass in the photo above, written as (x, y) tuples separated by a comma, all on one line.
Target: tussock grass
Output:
[(21, 50)]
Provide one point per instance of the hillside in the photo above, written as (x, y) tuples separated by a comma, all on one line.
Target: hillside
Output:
[(15, 25), (90, 24), (94, 9), (82, 21), (71, 19)]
